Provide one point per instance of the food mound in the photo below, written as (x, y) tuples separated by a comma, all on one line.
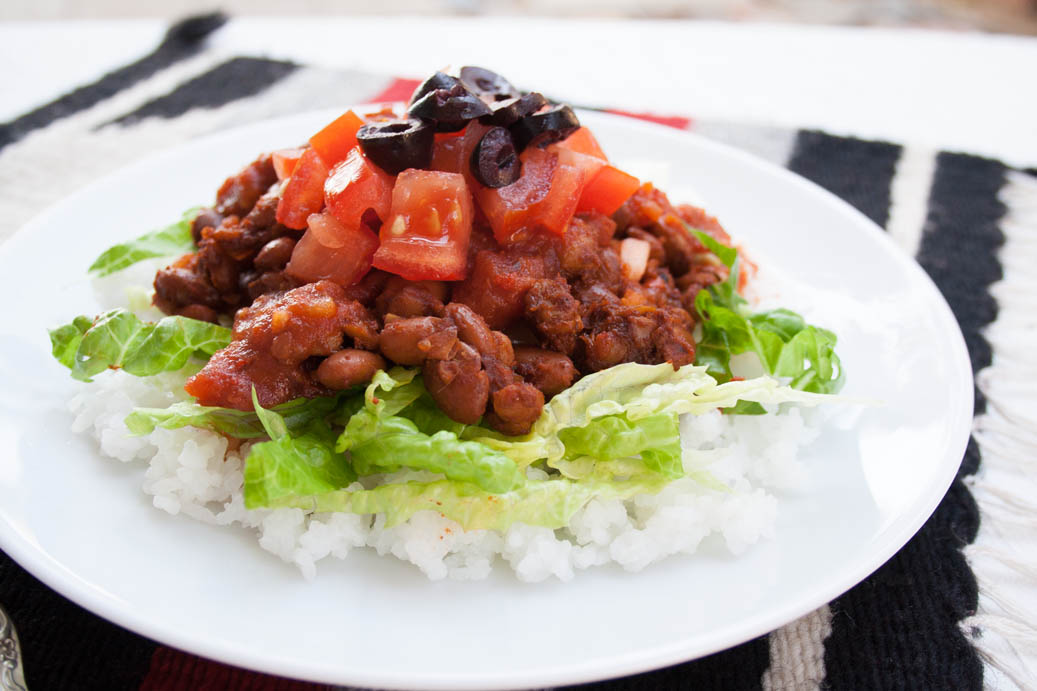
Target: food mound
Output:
[(459, 332), (483, 237)]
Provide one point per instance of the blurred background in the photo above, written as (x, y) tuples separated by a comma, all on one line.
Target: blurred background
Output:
[(1000, 16)]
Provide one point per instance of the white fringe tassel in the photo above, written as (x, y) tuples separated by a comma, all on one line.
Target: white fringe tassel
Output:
[(1004, 554)]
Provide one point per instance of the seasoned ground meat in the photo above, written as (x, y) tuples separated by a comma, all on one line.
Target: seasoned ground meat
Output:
[(620, 333), (497, 284), (239, 193), (241, 248), (554, 314), (648, 210), (586, 253)]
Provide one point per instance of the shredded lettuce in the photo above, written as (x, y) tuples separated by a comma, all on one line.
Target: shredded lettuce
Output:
[(173, 239), (785, 344), (548, 503), (655, 440), (239, 423), (638, 392), (118, 339), (293, 464), (380, 441)]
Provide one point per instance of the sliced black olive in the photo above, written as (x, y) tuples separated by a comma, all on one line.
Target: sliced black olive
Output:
[(487, 85), (395, 145), (495, 163), (509, 111), (450, 108), (551, 125), (440, 80)]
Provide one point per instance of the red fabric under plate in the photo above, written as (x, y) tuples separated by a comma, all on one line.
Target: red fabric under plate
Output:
[(174, 670)]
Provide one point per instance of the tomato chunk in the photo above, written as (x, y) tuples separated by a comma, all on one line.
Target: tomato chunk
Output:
[(285, 161), (335, 141), (430, 224), (303, 194), (356, 185), (331, 250), (453, 153), (583, 142), (607, 191), (545, 196)]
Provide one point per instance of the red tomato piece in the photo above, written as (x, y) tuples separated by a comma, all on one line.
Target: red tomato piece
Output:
[(285, 161), (303, 194), (453, 154), (430, 224), (334, 142), (583, 142), (545, 196), (509, 209), (356, 185), (331, 250), (607, 191)]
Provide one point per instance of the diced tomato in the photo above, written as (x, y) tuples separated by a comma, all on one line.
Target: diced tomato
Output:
[(285, 161), (303, 194), (545, 196), (453, 154), (607, 191), (331, 250), (426, 236), (583, 142), (334, 142), (356, 185)]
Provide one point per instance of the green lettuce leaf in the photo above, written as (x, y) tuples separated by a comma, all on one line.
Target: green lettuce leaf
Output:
[(655, 439), (784, 343), (118, 339), (548, 503), (293, 464), (173, 239), (724, 253), (636, 391), (239, 423), (381, 438), (65, 340)]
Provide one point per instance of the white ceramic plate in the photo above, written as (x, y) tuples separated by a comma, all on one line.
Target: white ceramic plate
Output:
[(81, 524)]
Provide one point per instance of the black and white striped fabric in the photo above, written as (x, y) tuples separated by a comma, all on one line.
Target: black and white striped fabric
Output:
[(949, 611)]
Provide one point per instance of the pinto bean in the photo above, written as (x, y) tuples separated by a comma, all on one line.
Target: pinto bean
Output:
[(182, 286), (348, 368), (547, 370), (206, 218), (199, 312), (515, 408), (275, 254), (472, 329), (412, 341), (459, 386)]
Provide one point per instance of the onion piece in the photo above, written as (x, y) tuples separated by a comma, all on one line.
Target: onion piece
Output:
[(634, 252), (327, 230)]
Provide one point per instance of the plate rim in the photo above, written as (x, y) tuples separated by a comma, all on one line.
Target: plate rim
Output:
[(60, 578)]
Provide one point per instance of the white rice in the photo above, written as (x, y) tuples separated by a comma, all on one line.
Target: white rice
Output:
[(191, 472)]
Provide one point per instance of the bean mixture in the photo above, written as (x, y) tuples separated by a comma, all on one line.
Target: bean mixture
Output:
[(529, 317)]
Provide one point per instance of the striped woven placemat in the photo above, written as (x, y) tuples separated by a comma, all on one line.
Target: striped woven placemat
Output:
[(943, 613)]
